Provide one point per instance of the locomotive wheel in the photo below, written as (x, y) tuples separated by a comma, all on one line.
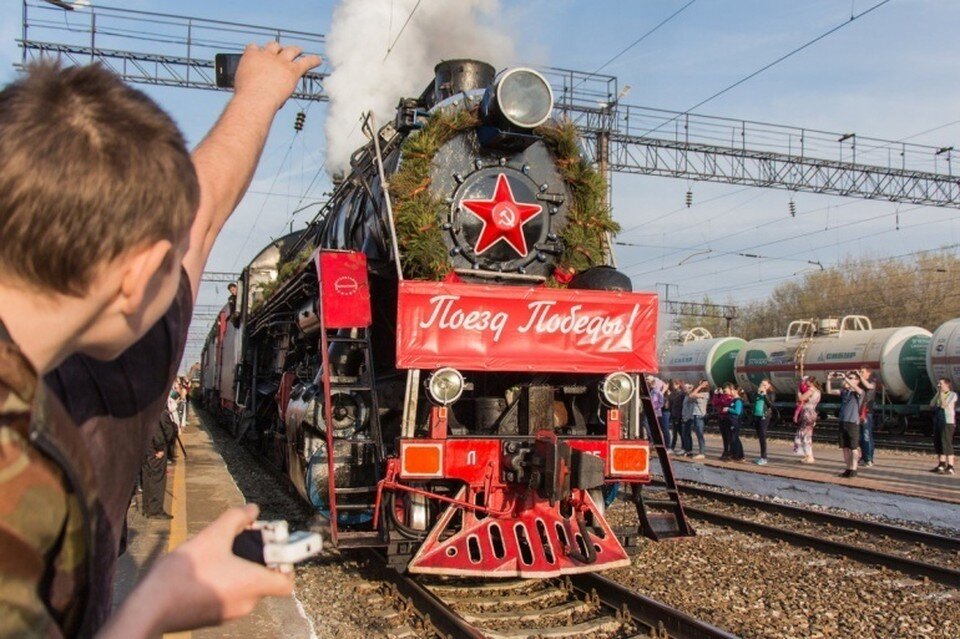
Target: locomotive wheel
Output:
[(895, 425), (410, 517), (776, 419), (275, 444), (418, 512)]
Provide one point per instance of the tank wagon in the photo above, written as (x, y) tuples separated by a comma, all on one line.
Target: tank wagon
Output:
[(897, 355), (443, 362), (943, 356), (696, 354)]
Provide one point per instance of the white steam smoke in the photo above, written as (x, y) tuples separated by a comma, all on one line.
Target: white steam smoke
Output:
[(361, 80)]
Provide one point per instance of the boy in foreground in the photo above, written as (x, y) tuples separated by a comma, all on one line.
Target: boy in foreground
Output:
[(106, 223)]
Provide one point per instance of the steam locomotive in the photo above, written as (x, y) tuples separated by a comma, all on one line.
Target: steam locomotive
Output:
[(444, 362)]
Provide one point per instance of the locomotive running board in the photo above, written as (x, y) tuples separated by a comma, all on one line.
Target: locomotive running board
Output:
[(540, 542)]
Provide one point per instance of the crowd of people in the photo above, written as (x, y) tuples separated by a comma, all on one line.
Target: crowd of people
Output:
[(682, 410)]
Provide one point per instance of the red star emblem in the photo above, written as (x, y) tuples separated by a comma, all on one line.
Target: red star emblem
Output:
[(503, 218)]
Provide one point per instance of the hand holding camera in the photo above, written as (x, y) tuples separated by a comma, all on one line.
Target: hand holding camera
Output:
[(271, 544), (270, 72)]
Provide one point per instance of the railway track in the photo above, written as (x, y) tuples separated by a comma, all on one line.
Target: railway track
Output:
[(587, 605), (914, 552)]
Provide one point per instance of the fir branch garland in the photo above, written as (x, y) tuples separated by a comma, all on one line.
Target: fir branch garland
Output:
[(589, 222), (285, 270), (418, 213)]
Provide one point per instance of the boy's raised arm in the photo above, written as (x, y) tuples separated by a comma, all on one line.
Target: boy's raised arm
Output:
[(226, 159)]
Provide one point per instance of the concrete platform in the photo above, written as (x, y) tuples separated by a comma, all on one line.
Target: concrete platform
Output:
[(199, 489), (899, 484)]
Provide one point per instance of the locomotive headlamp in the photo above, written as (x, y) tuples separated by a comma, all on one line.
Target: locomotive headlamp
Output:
[(445, 386), (518, 98), (617, 389)]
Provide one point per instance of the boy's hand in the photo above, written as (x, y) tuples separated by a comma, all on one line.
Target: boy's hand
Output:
[(271, 73), (201, 583)]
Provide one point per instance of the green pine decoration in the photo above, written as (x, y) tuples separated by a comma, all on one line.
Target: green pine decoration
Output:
[(419, 214), (589, 221), (285, 270)]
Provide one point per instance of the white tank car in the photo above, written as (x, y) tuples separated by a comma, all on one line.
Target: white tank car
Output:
[(696, 354), (817, 347), (943, 357)]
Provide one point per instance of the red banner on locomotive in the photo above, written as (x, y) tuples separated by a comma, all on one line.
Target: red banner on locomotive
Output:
[(476, 327)]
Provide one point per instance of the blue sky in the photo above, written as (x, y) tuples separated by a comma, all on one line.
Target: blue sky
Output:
[(890, 74)]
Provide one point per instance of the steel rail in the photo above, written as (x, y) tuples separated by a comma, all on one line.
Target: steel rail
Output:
[(947, 576), (647, 611), (442, 616), (944, 542), (642, 609)]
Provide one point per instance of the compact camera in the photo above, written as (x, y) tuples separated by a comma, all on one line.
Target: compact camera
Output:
[(270, 543)]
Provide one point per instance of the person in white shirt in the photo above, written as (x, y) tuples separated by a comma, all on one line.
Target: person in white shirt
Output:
[(944, 404)]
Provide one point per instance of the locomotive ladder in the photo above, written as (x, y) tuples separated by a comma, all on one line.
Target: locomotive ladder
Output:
[(664, 518), (358, 337), (363, 384)]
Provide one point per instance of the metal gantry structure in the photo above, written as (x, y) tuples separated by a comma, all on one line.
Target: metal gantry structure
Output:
[(725, 312), (181, 49), (635, 139), (621, 138), (219, 277)]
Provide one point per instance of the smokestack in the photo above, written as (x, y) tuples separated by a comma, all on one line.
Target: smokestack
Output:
[(455, 76)]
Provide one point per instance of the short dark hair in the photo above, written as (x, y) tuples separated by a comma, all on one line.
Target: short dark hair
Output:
[(89, 168), (946, 380)]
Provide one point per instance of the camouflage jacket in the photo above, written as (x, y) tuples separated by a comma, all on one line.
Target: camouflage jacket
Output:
[(71, 447), (46, 520)]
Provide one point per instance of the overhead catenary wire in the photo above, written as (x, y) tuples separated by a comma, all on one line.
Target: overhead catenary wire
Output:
[(263, 205), (822, 287), (769, 65), (840, 288), (400, 33), (634, 43), (741, 231), (642, 224), (737, 253), (751, 284), (313, 180), (795, 237), (714, 290)]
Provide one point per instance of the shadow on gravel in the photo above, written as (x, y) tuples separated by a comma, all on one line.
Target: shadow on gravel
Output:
[(258, 482)]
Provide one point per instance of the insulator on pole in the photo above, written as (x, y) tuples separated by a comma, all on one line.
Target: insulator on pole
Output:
[(792, 206), (689, 198), (299, 120)]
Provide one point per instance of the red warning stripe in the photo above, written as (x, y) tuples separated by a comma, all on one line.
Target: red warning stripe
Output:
[(686, 368), (831, 366)]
